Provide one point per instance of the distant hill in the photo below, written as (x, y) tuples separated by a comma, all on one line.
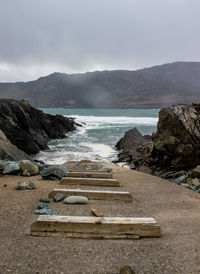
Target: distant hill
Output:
[(157, 86)]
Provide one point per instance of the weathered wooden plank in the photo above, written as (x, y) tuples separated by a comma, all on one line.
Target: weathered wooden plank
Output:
[(96, 227), (89, 181), (94, 194), (86, 174), (89, 170)]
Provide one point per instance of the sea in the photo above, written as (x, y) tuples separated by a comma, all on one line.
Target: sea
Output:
[(100, 130)]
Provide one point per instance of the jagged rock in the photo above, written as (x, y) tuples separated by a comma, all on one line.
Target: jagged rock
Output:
[(30, 129), (22, 185), (11, 168), (9, 151), (133, 146), (30, 167), (54, 173), (175, 147), (177, 140)]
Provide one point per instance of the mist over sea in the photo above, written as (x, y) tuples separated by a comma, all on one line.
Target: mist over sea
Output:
[(100, 131)]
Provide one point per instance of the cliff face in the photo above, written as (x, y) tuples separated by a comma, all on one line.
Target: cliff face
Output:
[(152, 87), (30, 129)]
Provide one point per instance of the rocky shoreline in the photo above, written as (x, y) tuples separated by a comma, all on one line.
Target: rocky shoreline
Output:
[(173, 152), (25, 130)]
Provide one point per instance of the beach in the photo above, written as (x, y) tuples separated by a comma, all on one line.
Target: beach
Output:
[(175, 208)]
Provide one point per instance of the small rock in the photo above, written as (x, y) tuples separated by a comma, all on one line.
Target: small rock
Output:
[(180, 180), (22, 185), (192, 188), (76, 200), (185, 185), (11, 168), (54, 173), (127, 270), (5, 185), (41, 205), (44, 200), (58, 197), (26, 173), (30, 167), (196, 172), (2, 165), (196, 182), (46, 211)]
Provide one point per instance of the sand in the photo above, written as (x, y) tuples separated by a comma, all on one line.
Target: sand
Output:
[(175, 208)]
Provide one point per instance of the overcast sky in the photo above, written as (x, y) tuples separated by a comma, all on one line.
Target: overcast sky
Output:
[(38, 37)]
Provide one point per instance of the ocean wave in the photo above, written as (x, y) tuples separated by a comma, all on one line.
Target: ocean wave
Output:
[(120, 120)]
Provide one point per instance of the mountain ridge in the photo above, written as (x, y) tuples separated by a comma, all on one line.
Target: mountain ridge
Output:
[(156, 86)]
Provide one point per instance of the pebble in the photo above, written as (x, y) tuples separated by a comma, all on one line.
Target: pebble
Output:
[(22, 185), (46, 211), (58, 197), (76, 200), (41, 205)]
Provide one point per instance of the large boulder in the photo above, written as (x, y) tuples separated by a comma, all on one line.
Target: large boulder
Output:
[(30, 129), (174, 148), (133, 147), (9, 151), (177, 140)]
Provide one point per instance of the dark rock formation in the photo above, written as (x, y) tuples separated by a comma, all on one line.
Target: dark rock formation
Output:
[(176, 144), (30, 129), (9, 151), (133, 147)]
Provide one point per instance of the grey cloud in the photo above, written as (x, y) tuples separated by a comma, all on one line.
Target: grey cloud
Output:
[(39, 37)]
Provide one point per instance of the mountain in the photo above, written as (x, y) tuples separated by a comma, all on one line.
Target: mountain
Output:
[(157, 86)]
